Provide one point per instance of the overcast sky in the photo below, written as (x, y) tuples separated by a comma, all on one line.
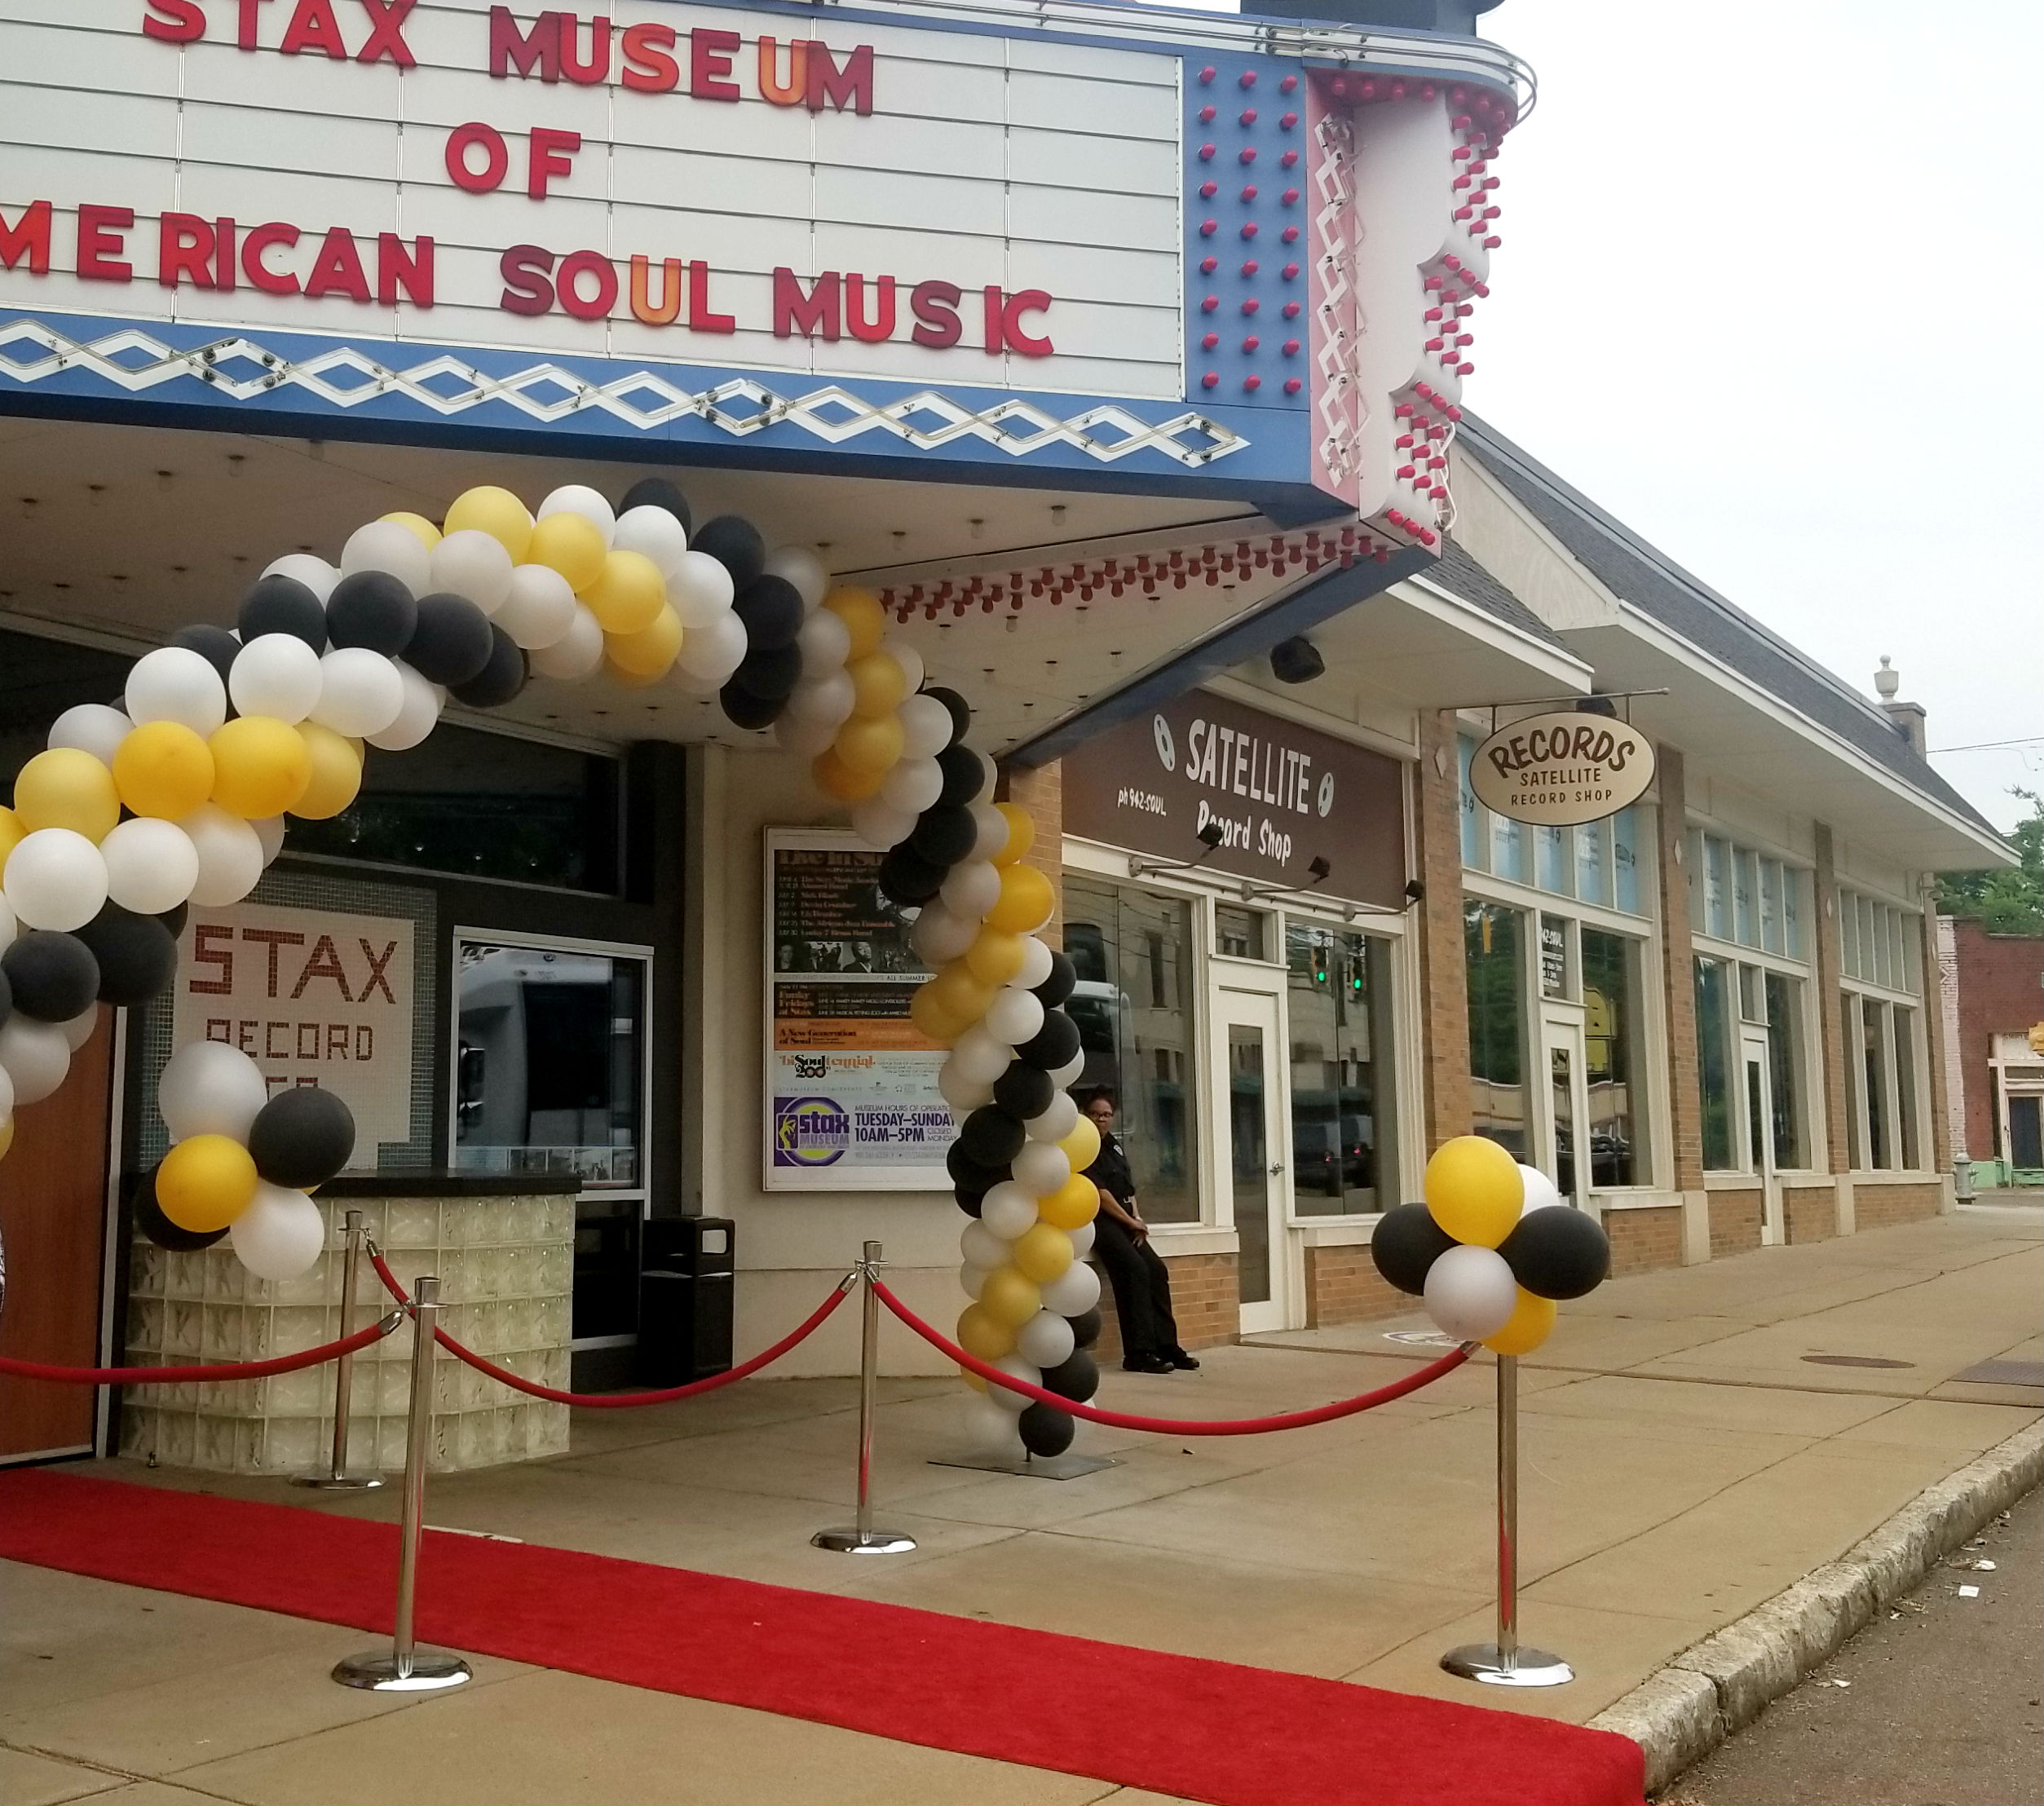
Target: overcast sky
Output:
[(1769, 292)]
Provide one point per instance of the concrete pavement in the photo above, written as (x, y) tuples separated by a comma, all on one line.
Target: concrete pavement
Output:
[(1689, 1446)]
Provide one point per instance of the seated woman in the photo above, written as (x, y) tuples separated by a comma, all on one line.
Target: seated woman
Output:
[(1121, 1242)]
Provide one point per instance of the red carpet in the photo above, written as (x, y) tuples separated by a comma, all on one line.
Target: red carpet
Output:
[(1206, 1730)]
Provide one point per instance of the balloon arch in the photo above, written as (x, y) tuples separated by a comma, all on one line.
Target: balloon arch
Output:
[(181, 795)]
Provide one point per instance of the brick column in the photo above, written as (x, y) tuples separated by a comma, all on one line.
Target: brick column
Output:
[(1932, 1015), (1678, 973), (1444, 972), (1836, 1140), (1042, 793)]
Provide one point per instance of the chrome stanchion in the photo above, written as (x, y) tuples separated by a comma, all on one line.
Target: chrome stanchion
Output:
[(335, 1477), (861, 1539), (1503, 1663), (407, 1668)]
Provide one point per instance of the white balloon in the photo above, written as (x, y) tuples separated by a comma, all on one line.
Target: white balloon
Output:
[(7, 929), (314, 573), (939, 937), (964, 1095), (797, 564), (275, 674), (538, 607), (878, 823), (173, 683), (269, 829), (926, 726), (93, 727), (208, 1088), (990, 778), (971, 1279), (1061, 1076), (578, 498), (280, 1235), (152, 865), (806, 740), (36, 1057), (910, 660), (826, 643), (1082, 1240), (654, 533), (55, 878), (1007, 1210), (990, 824), (1014, 1016), (1057, 1122), (1041, 1168), (700, 589), (1036, 964), (715, 647), (1471, 1293), (389, 545), (912, 784), (1015, 1402), (1541, 1191), (416, 717), (828, 698), (1074, 1292), (690, 684), (973, 888), (979, 1056), (6, 1097), (981, 1247), (576, 654), (360, 691), (1046, 1339), (990, 1428), (472, 563), (230, 855)]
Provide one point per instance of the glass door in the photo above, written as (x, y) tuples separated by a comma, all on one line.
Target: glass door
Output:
[(1759, 1132), (1250, 1078), (1567, 1115)]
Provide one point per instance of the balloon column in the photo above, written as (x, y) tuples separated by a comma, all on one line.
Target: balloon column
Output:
[(1492, 1248)]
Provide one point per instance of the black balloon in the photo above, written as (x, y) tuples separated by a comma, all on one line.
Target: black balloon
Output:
[(968, 1201), (282, 605), (1087, 1326), (733, 541), (741, 709), (302, 1137), (964, 774), (213, 644), (54, 977), (991, 1136), (945, 834), (7, 1006), (150, 1220), (1077, 1376), (1407, 1241), (969, 1174), (499, 681), (1045, 1430), (175, 918), (658, 493), (1064, 978), (138, 956), (1558, 1252), (770, 672), (907, 878), (771, 608), (1054, 1044), (1025, 1091), (453, 642), (961, 714), (373, 609)]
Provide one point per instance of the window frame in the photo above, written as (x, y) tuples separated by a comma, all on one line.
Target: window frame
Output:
[(1889, 940)]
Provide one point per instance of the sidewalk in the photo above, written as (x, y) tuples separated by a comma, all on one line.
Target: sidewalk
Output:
[(1681, 1460)]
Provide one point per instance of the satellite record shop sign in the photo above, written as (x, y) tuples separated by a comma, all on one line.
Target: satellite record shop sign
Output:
[(1558, 769)]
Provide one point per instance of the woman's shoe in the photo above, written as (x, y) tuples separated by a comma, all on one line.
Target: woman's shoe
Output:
[(1146, 1363)]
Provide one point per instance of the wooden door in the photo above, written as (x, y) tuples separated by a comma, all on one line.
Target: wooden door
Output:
[(53, 1206)]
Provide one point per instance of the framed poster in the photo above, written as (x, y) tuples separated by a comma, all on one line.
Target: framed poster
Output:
[(851, 1097)]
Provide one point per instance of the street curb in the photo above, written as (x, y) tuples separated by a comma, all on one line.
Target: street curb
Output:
[(1683, 1711)]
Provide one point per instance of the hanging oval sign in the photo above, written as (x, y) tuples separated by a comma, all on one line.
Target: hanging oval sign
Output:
[(1559, 769)]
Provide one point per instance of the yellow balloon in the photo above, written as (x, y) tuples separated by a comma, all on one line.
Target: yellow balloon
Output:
[(869, 743), (496, 512), (162, 768), (651, 650), (1073, 1205), (1025, 903), (839, 780), (1082, 1145), (927, 1012), (861, 612), (630, 680), (12, 833), (571, 545), (959, 994), (261, 767), (628, 594), (1043, 1252), (984, 1335), (1530, 1324), (1021, 832), (878, 684), (965, 1374), (64, 788), (205, 1182), (427, 534), (1010, 1297), (1474, 1190), (996, 956), (6, 1142), (336, 766)]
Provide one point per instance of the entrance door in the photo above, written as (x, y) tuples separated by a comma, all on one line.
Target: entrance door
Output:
[(1759, 1133), (1567, 1113), (1251, 1079)]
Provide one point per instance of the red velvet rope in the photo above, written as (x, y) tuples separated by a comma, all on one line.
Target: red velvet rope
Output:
[(1174, 1426), (625, 1400), (177, 1376)]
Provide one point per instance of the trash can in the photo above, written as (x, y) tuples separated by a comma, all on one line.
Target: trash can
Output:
[(685, 1299)]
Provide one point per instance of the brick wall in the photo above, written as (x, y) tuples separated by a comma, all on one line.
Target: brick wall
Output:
[(1999, 994), (1643, 1240), (1810, 1213), (1042, 793), (1831, 1031), (1444, 976), (1678, 973), (1735, 1222), (1342, 1286), (1205, 1297), (1877, 1205)]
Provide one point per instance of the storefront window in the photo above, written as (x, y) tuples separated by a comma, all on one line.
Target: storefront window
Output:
[(1472, 812), (1550, 870), (1597, 862), (1344, 1115), (1593, 863), (1905, 1087), (1494, 939), (1133, 950), (1872, 1040), (1241, 933), (1612, 1054), (1714, 1024), (1717, 888), (1509, 858), (1625, 852), (1785, 1067)]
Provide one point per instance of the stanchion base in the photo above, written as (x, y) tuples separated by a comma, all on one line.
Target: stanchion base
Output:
[(429, 1671), (1486, 1663), (325, 1482), (850, 1542), (1030, 1467)]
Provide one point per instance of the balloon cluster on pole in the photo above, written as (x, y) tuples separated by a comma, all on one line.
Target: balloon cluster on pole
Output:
[(1492, 1249)]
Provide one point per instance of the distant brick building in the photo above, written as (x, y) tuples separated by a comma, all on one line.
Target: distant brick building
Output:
[(1997, 996)]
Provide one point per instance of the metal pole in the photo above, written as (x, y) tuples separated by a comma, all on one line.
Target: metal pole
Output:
[(1503, 1663), (335, 1477), (408, 1668), (861, 1539)]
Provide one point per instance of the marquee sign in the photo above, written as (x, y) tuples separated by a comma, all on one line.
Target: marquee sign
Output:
[(1558, 769), (1065, 240)]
